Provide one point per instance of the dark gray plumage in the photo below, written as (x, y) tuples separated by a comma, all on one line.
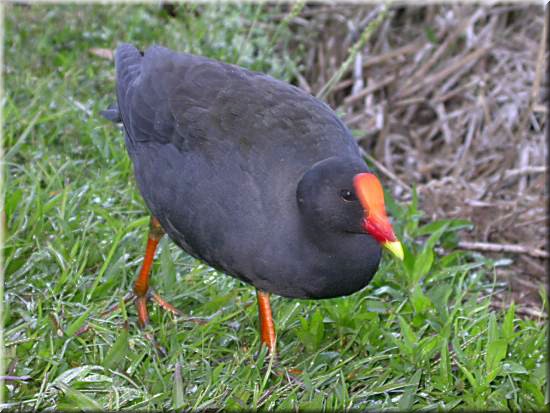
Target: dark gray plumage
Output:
[(245, 172)]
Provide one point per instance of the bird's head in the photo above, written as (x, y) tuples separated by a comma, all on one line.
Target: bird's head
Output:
[(340, 195)]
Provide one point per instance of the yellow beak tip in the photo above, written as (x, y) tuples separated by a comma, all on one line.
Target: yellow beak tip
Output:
[(395, 248)]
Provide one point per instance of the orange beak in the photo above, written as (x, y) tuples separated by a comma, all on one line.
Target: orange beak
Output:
[(375, 221)]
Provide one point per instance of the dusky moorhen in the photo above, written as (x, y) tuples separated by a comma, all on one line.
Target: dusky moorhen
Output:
[(251, 175)]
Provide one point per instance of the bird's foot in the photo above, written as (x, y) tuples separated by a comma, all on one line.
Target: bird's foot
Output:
[(291, 374), (141, 307), (143, 313), (277, 369), (143, 318)]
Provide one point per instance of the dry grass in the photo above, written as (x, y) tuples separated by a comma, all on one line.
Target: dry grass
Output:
[(451, 99)]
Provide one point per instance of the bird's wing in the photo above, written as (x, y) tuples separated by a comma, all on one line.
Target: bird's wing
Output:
[(167, 97)]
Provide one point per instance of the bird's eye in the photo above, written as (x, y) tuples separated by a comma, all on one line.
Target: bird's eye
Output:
[(347, 195)]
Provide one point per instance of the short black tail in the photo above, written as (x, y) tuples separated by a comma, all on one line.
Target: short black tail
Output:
[(128, 67)]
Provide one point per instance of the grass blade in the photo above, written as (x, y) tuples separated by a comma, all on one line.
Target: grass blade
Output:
[(177, 389), (80, 399), (407, 400), (118, 351)]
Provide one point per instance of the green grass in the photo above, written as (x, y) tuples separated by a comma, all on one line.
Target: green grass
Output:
[(421, 335)]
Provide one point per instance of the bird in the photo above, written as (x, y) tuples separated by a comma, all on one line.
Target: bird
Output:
[(251, 175)]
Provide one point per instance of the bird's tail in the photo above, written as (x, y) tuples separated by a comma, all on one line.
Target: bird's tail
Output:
[(128, 67)]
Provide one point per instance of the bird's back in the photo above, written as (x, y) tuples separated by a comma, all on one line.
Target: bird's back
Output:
[(190, 100)]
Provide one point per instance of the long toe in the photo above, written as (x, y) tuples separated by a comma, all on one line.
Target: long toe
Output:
[(143, 314)]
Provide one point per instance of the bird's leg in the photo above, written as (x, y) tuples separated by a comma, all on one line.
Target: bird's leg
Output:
[(141, 286), (142, 292), (267, 327), (269, 338)]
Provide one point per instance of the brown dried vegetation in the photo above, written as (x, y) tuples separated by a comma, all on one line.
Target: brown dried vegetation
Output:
[(451, 99)]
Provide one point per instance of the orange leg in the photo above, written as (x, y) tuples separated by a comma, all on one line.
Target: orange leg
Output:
[(141, 286), (267, 327), (142, 292)]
